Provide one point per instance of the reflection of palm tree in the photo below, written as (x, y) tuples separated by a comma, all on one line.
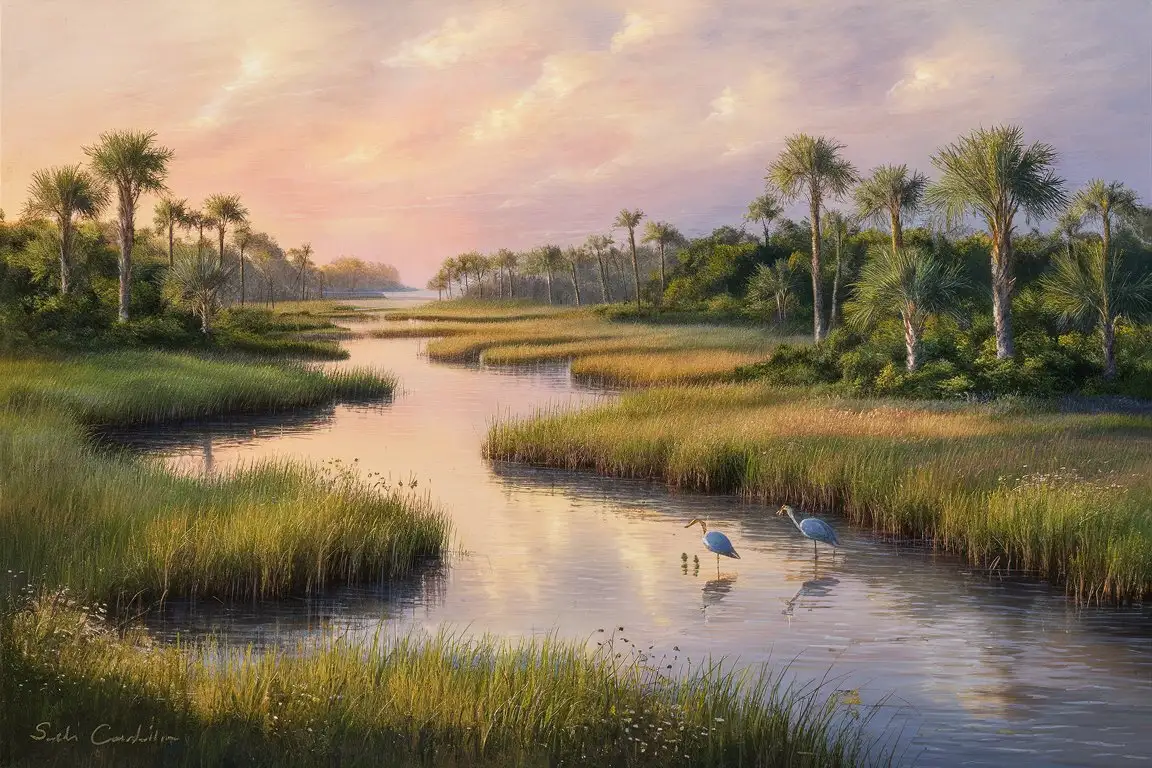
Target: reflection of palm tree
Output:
[(814, 587), (716, 590)]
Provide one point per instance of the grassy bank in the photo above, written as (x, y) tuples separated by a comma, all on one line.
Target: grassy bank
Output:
[(444, 702), (126, 388), (116, 529), (614, 353), (1065, 497)]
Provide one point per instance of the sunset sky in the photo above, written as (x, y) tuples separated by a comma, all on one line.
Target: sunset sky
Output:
[(410, 131)]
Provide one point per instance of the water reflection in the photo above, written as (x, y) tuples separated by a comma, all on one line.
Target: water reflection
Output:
[(987, 667), (343, 611)]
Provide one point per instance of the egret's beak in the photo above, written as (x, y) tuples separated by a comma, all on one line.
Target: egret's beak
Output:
[(691, 523), (782, 511)]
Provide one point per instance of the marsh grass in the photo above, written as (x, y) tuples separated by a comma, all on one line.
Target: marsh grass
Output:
[(128, 388), (444, 701), (617, 354), (127, 532), (1064, 497), (484, 311)]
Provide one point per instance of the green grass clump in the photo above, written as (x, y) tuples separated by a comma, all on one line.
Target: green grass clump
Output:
[(444, 702), (126, 388), (1065, 497), (126, 531)]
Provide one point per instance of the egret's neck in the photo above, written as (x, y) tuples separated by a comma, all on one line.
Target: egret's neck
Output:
[(792, 517), (703, 527)]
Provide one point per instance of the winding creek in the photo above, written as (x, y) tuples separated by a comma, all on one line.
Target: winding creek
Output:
[(972, 669)]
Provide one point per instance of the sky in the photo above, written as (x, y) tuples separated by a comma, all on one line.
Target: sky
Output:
[(406, 131)]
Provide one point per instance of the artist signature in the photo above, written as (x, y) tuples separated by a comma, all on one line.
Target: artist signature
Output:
[(100, 735)]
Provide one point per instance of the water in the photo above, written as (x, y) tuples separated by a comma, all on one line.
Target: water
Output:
[(977, 670)]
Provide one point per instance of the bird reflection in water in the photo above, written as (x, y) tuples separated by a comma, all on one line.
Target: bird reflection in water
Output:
[(716, 590), (816, 587)]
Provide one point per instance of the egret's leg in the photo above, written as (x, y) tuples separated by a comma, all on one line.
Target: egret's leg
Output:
[(717, 566)]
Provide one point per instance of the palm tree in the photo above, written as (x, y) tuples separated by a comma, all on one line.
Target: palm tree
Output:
[(242, 237), (1100, 201), (198, 281), (629, 220), (195, 219), (599, 245), (811, 167), (1095, 289), (765, 209), (991, 173), (64, 194), (890, 193), (773, 283), (169, 215), (546, 260), (837, 228), (912, 282), (225, 210), (663, 234), (575, 256), (507, 261), (132, 163), (1070, 227)]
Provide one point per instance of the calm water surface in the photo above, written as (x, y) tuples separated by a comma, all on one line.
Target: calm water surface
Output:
[(977, 671)]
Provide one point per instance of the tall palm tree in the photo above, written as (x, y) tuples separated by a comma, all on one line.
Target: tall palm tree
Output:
[(990, 172), (507, 261), (764, 209), (198, 281), (889, 194), (132, 163), (195, 219), (773, 284), (575, 256), (168, 216), (812, 168), (1095, 289), (598, 245), (629, 220), (663, 234), (242, 238), (64, 194), (225, 210), (1100, 201), (913, 283), (1070, 227), (837, 228)]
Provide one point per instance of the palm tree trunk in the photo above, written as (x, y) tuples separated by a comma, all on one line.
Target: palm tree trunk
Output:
[(1107, 239), (603, 281), (241, 276), (127, 238), (576, 284), (1002, 294), (65, 265), (897, 231), (817, 289), (765, 234), (661, 269), (221, 244), (635, 264), (912, 342), (549, 274), (1108, 330), (834, 315), (171, 242), (511, 285)]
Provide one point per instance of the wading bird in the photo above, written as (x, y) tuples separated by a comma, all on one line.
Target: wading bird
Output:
[(717, 542), (812, 528)]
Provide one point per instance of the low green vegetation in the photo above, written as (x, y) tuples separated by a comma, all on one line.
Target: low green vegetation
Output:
[(1060, 496), (443, 702)]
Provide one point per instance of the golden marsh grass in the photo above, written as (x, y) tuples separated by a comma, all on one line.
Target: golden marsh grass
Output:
[(1066, 497)]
